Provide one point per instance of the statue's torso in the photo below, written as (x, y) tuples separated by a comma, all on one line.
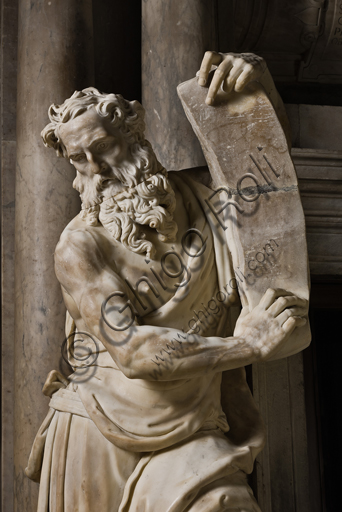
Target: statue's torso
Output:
[(151, 284), (168, 409)]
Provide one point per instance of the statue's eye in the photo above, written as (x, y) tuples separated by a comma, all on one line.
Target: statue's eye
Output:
[(102, 146), (78, 158)]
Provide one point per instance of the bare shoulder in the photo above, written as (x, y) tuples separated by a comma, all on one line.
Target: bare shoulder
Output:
[(79, 252), (74, 240)]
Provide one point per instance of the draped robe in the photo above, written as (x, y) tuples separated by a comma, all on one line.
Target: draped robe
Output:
[(115, 444)]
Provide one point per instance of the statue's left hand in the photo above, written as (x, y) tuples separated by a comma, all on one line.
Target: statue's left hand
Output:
[(234, 71), (268, 326)]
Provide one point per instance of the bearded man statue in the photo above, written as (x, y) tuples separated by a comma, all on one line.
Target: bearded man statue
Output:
[(151, 327)]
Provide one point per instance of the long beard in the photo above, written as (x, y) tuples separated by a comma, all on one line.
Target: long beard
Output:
[(150, 203)]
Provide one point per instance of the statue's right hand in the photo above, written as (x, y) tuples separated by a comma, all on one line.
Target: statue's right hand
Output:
[(234, 71), (268, 326)]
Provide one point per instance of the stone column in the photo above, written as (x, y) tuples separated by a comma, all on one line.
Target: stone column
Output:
[(55, 57), (175, 35), (8, 71), (282, 468)]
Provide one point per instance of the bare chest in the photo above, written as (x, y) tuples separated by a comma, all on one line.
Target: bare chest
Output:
[(150, 283)]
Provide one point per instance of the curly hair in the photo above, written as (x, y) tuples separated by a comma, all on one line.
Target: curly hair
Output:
[(127, 116)]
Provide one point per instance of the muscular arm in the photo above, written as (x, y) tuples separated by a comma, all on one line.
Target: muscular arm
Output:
[(87, 281)]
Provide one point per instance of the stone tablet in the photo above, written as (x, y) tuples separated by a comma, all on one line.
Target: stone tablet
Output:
[(257, 203)]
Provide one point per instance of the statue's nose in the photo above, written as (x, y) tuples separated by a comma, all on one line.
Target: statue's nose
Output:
[(97, 166)]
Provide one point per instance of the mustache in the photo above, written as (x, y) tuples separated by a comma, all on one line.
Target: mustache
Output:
[(93, 190)]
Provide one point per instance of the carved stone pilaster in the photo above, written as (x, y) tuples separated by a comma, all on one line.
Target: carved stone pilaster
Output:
[(301, 40), (320, 183)]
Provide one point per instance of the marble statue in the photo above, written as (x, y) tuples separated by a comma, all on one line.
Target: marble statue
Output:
[(153, 325)]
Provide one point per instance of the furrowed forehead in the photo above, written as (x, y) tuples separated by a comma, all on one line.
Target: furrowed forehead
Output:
[(83, 130)]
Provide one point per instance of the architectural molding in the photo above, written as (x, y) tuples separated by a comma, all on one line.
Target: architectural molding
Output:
[(320, 183)]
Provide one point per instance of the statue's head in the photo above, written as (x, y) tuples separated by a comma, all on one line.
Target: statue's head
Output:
[(120, 181)]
